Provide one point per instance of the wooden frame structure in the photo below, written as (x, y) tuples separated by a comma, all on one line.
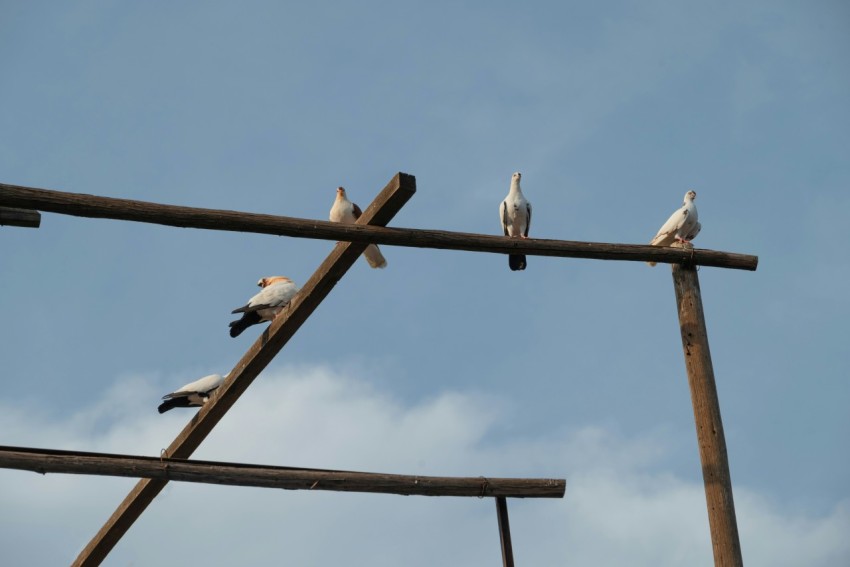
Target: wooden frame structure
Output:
[(353, 239)]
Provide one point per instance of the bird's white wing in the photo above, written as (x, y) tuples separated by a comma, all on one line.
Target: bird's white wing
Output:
[(275, 295), (667, 233), (202, 385)]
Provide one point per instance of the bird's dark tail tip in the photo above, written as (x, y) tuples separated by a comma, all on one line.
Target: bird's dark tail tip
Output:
[(516, 261), (248, 319), (171, 403), (167, 405), (236, 328)]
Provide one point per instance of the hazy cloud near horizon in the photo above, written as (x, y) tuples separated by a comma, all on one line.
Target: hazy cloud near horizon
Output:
[(620, 507)]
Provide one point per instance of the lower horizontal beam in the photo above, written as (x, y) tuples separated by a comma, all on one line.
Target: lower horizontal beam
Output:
[(104, 464)]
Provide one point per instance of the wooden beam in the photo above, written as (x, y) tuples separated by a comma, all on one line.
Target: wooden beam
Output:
[(289, 478), (505, 532), (188, 217), (712, 443), (399, 190), (26, 218)]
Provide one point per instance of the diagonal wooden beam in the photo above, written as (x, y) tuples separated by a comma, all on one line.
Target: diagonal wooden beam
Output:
[(82, 205), (399, 190)]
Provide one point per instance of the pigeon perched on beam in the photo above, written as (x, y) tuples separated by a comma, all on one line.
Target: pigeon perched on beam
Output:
[(682, 226), (345, 211), (277, 292), (194, 394), (515, 214)]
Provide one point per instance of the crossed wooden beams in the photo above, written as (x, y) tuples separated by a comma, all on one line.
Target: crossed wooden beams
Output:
[(399, 190), (353, 240)]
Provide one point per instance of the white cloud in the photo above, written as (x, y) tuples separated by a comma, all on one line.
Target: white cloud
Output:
[(620, 509)]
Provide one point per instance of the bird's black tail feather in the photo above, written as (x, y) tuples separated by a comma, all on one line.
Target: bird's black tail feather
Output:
[(516, 261), (248, 319), (181, 402)]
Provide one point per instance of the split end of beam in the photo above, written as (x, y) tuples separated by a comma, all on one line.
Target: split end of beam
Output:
[(26, 218)]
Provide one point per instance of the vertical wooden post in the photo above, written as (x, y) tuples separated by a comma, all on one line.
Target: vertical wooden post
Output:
[(712, 443), (504, 531)]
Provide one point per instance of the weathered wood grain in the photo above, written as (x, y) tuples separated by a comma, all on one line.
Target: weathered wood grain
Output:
[(709, 426), (289, 478), (188, 217)]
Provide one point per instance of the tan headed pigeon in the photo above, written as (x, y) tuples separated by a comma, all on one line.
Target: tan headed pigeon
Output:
[(515, 214), (347, 212), (682, 226), (277, 292), (192, 395)]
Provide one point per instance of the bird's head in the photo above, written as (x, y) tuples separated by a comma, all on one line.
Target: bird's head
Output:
[(266, 282), (690, 195), (340, 193), (516, 176)]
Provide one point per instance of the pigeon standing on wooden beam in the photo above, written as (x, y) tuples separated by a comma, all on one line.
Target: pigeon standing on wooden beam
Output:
[(515, 214), (277, 292), (194, 394), (345, 211), (682, 226)]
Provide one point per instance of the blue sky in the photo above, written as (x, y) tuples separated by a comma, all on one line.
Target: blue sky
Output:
[(571, 369)]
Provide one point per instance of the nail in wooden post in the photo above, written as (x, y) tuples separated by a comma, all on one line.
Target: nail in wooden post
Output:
[(712, 443), (504, 532)]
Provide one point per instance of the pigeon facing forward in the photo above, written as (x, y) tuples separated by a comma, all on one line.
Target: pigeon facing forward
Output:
[(682, 226), (192, 395), (277, 292), (515, 214), (345, 211)]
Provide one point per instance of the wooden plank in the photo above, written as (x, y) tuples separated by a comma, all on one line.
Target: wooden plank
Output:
[(712, 442), (78, 204), (26, 218), (290, 478), (504, 532), (399, 190)]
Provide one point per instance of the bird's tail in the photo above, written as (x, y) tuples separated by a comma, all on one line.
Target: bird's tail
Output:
[(248, 319), (516, 261), (374, 257), (181, 402)]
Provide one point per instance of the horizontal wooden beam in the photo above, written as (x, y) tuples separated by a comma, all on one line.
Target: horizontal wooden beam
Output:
[(289, 478), (397, 192), (26, 218), (189, 217)]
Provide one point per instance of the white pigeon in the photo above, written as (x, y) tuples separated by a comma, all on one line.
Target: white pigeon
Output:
[(277, 292), (192, 395), (515, 214), (682, 226), (345, 211)]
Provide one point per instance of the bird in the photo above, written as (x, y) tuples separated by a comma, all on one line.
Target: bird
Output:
[(682, 226), (515, 214), (276, 294), (192, 395), (345, 211)]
